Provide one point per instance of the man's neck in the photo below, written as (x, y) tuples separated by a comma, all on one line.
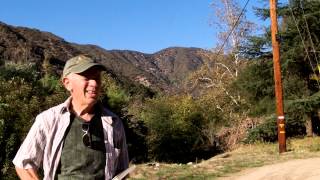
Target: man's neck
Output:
[(84, 111)]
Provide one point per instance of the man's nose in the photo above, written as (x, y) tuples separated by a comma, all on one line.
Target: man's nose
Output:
[(94, 82)]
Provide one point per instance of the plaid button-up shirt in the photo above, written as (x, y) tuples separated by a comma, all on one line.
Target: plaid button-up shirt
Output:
[(44, 142)]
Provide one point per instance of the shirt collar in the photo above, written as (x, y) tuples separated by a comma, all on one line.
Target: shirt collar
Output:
[(66, 106), (106, 114)]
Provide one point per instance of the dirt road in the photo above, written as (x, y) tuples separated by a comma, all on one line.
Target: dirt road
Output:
[(301, 169)]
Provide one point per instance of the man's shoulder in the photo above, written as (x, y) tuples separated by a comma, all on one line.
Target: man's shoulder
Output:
[(108, 112), (115, 119), (51, 115), (54, 110), (49, 118)]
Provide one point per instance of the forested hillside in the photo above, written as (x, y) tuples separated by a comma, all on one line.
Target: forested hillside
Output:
[(224, 98)]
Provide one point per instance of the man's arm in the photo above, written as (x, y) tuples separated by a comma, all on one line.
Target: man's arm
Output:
[(123, 159), (27, 174), (30, 154)]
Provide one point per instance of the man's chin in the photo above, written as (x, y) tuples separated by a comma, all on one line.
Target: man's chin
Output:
[(93, 100)]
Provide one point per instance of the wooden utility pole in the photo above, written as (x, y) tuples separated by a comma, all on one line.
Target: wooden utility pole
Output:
[(277, 76)]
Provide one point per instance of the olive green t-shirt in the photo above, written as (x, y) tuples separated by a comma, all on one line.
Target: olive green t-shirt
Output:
[(77, 160)]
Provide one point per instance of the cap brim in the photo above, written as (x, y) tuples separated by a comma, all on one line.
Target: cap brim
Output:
[(82, 69)]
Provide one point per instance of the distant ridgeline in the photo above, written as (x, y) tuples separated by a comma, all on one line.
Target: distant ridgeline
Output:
[(163, 70)]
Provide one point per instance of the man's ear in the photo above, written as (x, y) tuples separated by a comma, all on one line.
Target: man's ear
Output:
[(67, 83)]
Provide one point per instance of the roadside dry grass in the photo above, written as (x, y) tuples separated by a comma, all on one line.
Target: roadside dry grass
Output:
[(244, 157)]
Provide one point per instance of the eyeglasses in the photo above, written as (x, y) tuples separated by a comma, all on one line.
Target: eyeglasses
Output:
[(86, 138)]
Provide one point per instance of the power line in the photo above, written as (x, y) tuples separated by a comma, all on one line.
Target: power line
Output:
[(303, 44), (309, 34), (231, 31), (233, 27)]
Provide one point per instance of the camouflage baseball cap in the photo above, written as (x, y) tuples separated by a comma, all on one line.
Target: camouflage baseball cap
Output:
[(79, 64)]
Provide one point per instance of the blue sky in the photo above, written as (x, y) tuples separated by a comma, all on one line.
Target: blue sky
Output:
[(141, 25)]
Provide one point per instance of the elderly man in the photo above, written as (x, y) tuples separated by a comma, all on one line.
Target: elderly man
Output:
[(78, 139)]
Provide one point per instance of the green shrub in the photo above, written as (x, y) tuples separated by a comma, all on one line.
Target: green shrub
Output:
[(23, 95), (266, 131), (176, 129)]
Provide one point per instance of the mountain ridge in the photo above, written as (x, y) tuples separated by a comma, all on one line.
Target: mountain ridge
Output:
[(164, 70)]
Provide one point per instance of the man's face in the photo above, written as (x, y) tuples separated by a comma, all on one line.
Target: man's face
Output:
[(84, 87)]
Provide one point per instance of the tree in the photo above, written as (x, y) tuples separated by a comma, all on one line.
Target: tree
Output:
[(299, 58), (223, 65), (211, 83), (234, 30)]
